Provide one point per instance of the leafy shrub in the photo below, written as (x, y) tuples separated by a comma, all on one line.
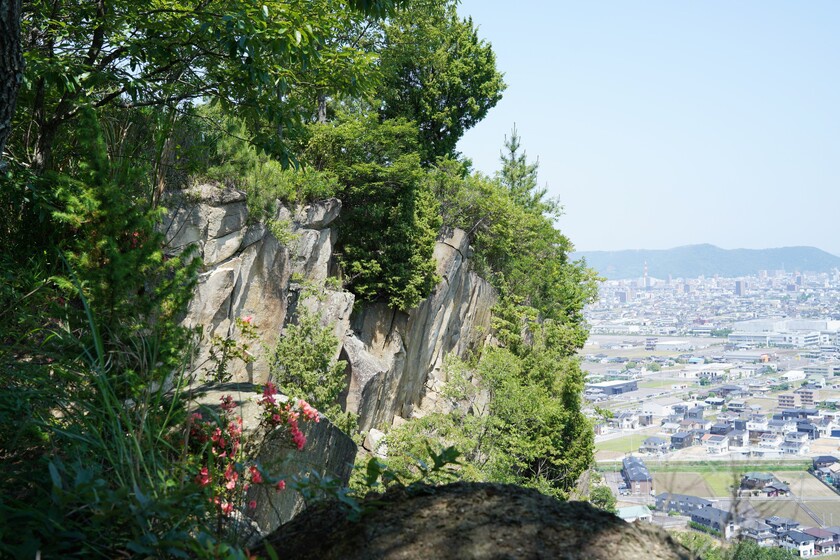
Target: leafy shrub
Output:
[(389, 220)]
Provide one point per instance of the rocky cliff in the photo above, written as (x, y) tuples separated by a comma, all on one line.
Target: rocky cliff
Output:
[(394, 359)]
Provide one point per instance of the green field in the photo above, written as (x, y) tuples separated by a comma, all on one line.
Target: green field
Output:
[(799, 466), (662, 383), (706, 484), (624, 444)]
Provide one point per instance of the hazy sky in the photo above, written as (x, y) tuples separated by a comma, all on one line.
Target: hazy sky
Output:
[(666, 123)]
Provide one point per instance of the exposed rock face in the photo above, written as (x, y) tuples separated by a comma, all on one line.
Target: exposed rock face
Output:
[(328, 452), (471, 521), (396, 358), (248, 272)]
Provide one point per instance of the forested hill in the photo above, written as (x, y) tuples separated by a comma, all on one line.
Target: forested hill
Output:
[(691, 261)]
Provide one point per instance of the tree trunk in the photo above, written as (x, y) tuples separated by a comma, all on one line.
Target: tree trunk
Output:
[(322, 108), (11, 66)]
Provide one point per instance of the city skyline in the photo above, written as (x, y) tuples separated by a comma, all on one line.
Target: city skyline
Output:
[(664, 124)]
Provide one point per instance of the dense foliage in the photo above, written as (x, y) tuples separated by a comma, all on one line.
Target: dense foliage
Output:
[(294, 101), (519, 416), (388, 208)]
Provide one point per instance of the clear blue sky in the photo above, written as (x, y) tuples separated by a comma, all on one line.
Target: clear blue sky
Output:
[(667, 123)]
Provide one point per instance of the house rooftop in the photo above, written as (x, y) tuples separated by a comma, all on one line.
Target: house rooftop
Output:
[(633, 512), (759, 476), (712, 515), (777, 521), (819, 533), (799, 537)]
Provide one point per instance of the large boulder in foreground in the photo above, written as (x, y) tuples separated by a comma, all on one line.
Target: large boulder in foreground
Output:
[(471, 521)]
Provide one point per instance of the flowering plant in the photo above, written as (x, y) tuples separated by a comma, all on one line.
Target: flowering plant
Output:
[(219, 443)]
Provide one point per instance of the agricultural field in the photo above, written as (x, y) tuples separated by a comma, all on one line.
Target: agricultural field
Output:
[(805, 485), (614, 448), (662, 383), (827, 510), (783, 507), (705, 485)]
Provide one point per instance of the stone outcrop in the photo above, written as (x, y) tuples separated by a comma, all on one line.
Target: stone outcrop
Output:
[(471, 521), (248, 272), (396, 359)]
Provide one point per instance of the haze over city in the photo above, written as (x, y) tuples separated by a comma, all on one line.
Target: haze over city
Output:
[(661, 124)]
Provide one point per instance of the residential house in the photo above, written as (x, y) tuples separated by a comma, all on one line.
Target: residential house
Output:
[(824, 543), (781, 426), (717, 520), (781, 525), (799, 413), (627, 420), (796, 443), (799, 542), (636, 476), (680, 409), (715, 444), (775, 489), (824, 461), (757, 531), (738, 438), (809, 428), (720, 428), (631, 514), (729, 391), (769, 445), (680, 503), (670, 427), (654, 445), (737, 406), (756, 480), (695, 413), (715, 402), (681, 440)]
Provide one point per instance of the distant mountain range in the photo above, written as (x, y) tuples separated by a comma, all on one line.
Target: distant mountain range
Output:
[(692, 261)]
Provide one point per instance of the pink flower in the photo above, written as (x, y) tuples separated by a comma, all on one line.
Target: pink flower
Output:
[(309, 411), (269, 391), (281, 485), (256, 476), (231, 476), (203, 478), (247, 319), (227, 403), (252, 504), (297, 436), (234, 429), (227, 508)]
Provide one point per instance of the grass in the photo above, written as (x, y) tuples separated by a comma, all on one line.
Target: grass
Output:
[(708, 484), (661, 383), (625, 444), (727, 467)]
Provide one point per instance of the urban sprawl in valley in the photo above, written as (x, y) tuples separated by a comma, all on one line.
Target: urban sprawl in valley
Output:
[(715, 404)]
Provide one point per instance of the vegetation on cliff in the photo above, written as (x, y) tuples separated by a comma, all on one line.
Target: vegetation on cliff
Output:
[(121, 101)]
